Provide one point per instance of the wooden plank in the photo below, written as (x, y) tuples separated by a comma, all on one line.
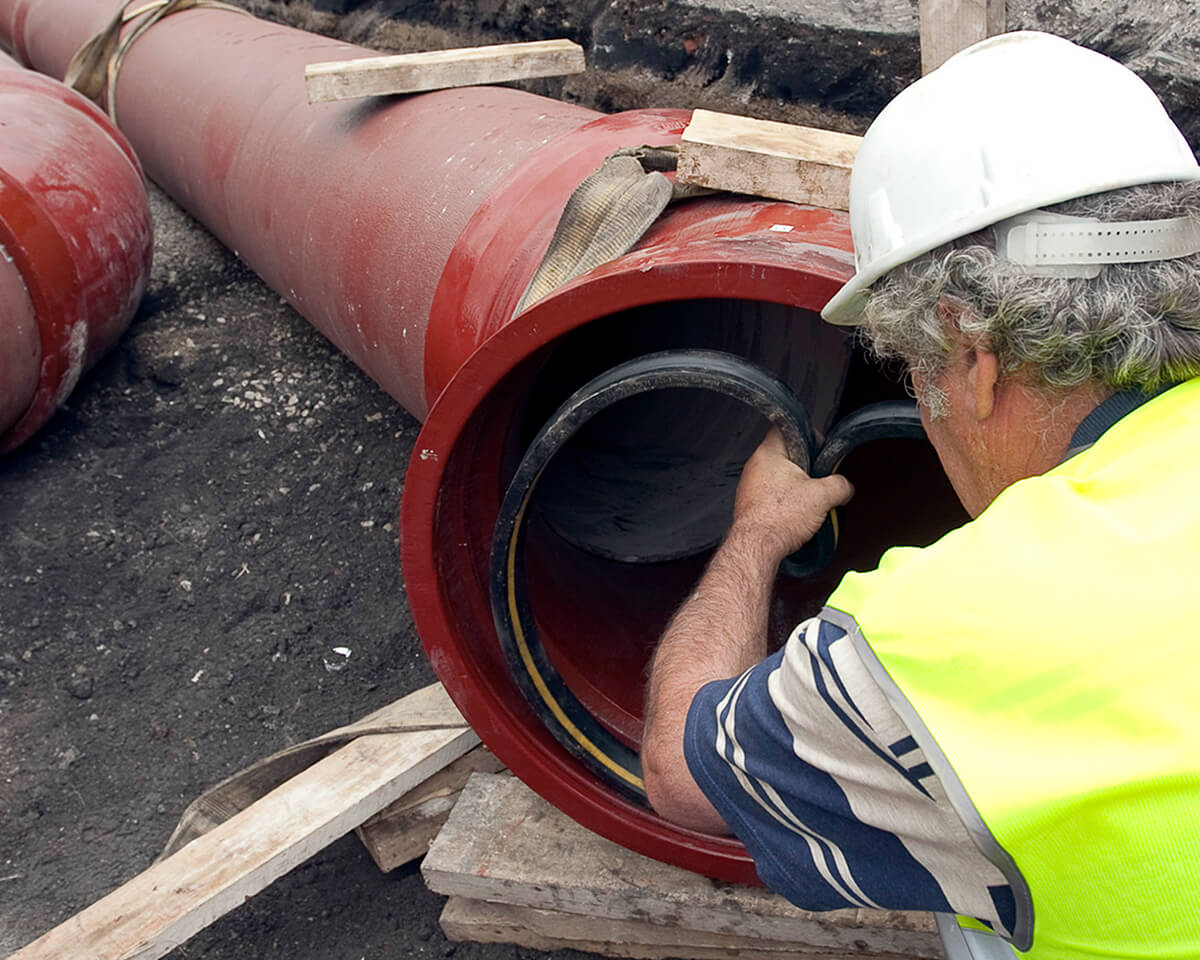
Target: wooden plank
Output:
[(159, 909), (481, 922), (782, 161), (427, 709), (948, 26), (408, 834), (403, 830), (439, 69), (503, 843)]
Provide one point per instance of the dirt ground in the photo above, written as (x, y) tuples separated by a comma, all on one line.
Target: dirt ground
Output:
[(181, 547)]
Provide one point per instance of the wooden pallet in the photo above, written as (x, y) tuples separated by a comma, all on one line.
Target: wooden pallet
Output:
[(518, 871), (515, 869), (403, 831)]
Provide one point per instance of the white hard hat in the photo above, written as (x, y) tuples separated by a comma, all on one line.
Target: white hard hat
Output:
[(1010, 124)]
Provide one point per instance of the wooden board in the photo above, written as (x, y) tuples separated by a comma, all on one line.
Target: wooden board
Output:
[(439, 69), (403, 830), (505, 844), (948, 26), (481, 922), (159, 909), (781, 161)]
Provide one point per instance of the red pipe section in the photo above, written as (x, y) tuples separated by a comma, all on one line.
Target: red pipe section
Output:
[(406, 230), (75, 244)]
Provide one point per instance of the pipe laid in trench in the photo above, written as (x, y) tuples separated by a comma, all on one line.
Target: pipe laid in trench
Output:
[(75, 244), (406, 230)]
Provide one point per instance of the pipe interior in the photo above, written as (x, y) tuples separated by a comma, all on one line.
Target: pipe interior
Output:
[(619, 531), (652, 478)]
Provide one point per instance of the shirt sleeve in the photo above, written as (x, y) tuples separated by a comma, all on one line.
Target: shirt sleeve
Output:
[(820, 778)]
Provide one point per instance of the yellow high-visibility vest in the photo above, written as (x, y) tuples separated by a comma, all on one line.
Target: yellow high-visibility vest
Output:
[(1047, 655)]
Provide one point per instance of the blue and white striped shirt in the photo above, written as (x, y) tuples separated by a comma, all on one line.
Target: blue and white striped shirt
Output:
[(819, 777)]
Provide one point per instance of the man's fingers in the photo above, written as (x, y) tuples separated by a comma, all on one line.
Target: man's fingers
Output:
[(836, 489), (773, 443)]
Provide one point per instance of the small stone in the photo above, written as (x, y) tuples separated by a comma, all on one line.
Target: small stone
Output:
[(341, 659), (159, 729), (68, 757), (80, 684)]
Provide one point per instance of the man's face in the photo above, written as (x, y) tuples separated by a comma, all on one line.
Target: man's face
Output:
[(991, 431), (995, 431), (956, 435)]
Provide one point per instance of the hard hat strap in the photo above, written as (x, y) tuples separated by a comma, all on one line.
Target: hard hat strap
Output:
[(1057, 245)]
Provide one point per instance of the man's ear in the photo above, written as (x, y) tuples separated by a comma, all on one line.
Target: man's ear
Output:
[(983, 367), (983, 376)]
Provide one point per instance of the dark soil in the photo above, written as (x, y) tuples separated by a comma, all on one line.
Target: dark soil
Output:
[(180, 548)]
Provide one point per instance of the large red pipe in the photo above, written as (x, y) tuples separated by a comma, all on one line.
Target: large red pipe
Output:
[(75, 244), (406, 229)]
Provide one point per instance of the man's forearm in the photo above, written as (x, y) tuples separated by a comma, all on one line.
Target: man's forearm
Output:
[(718, 632), (721, 629)]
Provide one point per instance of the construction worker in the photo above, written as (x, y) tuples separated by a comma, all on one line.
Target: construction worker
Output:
[(1004, 725)]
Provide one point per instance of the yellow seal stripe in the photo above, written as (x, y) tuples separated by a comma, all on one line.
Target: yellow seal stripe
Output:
[(531, 668)]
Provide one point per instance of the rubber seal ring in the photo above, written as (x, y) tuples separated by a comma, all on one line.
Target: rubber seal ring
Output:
[(571, 724), (568, 721)]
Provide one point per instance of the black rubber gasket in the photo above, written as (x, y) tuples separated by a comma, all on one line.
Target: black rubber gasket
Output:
[(891, 419), (570, 723)]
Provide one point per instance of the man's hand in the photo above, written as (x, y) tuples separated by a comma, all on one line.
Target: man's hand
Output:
[(781, 505), (721, 629)]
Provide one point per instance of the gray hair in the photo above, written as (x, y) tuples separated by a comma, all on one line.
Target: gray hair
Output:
[(1136, 326)]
